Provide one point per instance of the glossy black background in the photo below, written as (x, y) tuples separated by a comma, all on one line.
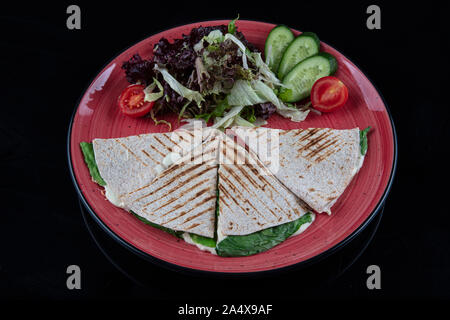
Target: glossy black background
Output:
[(45, 68)]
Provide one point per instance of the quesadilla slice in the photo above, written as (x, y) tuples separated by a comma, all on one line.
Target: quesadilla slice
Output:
[(117, 171), (183, 196), (128, 163), (316, 164), (255, 211)]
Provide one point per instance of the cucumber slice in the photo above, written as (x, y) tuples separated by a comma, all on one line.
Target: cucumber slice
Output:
[(277, 41), (299, 81), (305, 45)]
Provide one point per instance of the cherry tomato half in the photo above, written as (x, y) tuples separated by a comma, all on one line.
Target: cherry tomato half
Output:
[(131, 101), (328, 94)]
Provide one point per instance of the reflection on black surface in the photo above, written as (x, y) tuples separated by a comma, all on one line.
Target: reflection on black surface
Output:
[(178, 284)]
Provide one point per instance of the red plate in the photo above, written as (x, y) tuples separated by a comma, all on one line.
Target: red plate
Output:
[(97, 116)]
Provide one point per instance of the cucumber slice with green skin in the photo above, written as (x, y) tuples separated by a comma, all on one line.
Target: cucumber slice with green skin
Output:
[(299, 81), (277, 41), (305, 45)]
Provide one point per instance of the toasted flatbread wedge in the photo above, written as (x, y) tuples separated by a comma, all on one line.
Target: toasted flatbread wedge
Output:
[(316, 164), (183, 196), (126, 164), (250, 197)]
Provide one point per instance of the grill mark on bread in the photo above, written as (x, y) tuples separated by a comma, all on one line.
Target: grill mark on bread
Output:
[(193, 226), (242, 155), (232, 186), (315, 141), (176, 177), (182, 137), (237, 178), (174, 218), (165, 204), (204, 201), (180, 205), (166, 172), (202, 192), (150, 157), (163, 144), (253, 181), (196, 216), (167, 136), (321, 148), (267, 183), (225, 197), (327, 154), (189, 218), (175, 188), (126, 148), (224, 191), (154, 148), (308, 134)]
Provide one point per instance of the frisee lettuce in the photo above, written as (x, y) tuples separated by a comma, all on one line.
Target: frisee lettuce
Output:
[(241, 46), (241, 122), (265, 73), (151, 96), (228, 118), (187, 93), (215, 36)]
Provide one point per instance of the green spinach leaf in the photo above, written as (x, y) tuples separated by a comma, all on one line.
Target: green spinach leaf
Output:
[(205, 241), (89, 158), (232, 25), (363, 140), (237, 246)]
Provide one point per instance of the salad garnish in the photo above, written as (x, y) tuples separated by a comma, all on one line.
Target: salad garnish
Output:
[(213, 73)]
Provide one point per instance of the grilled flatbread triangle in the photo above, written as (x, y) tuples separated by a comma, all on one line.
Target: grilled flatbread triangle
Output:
[(126, 164), (250, 197), (316, 164), (183, 196)]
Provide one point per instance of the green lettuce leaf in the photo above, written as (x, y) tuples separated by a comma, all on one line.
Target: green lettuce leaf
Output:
[(89, 157), (266, 74), (232, 25), (205, 241), (237, 246), (151, 96), (248, 113), (241, 122), (243, 94), (228, 118), (282, 109), (246, 93), (218, 111), (187, 93), (215, 36), (363, 140)]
